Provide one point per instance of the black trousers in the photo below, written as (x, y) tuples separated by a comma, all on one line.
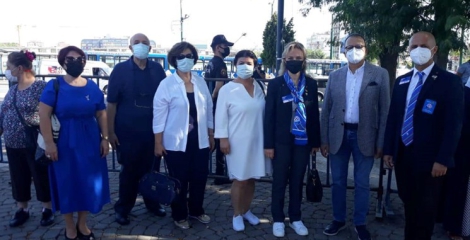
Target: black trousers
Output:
[(420, 193), (191, 168), (289, 166), (220, 164), (136, 159), (23, 167)]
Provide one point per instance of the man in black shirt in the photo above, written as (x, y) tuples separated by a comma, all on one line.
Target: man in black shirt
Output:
[(218, 69)]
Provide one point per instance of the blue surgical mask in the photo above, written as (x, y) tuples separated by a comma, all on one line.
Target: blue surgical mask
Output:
[(185, 64), (10, 77), (244, 71), (140, 50)]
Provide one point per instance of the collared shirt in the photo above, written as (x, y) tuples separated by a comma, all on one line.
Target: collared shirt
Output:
[(133, 89), (353, 89), (414, 81), (171, 112)]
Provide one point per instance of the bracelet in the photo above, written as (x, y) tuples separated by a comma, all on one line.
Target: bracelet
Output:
[(105, 138)]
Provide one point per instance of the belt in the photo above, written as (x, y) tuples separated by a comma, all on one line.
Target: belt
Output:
[(351, 126)]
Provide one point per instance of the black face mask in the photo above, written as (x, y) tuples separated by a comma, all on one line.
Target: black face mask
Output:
[(74, 68), (226, 52), (294, 66)]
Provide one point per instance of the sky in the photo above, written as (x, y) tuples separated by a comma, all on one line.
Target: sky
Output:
[(53, 21)]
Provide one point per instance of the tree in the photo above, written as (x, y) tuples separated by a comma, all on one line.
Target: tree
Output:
[(269, 39), (316, 54), (388, 25)]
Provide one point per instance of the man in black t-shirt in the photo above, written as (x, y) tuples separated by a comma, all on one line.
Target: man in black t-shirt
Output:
[(218, 69)]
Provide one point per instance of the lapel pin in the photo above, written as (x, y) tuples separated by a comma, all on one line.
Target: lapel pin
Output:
[(434, 77)]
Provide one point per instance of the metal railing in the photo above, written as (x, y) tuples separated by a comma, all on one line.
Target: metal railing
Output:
[(383, 202)]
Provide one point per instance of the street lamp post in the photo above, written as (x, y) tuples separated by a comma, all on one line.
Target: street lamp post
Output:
[(331, 37), (280, 24), (182, 18), (463, 42)]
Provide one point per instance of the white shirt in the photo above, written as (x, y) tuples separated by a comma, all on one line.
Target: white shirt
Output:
[(414, 81), (171, 112), (353, 89)]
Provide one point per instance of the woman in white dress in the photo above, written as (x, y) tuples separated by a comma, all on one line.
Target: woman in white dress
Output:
[(239, 126)]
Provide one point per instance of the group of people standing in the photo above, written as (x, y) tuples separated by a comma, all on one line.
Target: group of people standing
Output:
[(421, 130)]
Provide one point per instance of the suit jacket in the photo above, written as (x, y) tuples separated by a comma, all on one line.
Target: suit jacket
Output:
[(436, 135), (374, 101), (278, 115), (462, 156)]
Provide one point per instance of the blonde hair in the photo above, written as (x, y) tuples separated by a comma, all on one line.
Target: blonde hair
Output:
[(289, 47)]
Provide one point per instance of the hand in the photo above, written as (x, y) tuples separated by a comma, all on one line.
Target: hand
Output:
[(388, 160), (269, 153), (438, 170), (51, 151), (104, 148), (325, 150), (211, 142), (113, 140), (159, 150), (378, 153), (225, 146), (314, 151)]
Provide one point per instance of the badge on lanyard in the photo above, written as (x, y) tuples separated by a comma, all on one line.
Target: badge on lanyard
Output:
[(429, 106)]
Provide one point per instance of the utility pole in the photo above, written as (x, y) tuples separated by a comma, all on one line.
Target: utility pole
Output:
[(280, 25), (463, 42), (331, 37), (182, 18)]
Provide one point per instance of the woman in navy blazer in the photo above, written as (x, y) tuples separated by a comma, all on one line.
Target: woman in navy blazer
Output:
[(288, 141)]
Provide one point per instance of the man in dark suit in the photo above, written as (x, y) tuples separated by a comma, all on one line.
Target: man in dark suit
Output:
[(422, 133)]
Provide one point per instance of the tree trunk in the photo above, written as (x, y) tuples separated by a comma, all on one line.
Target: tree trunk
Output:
[(389, 61), (441, 58)]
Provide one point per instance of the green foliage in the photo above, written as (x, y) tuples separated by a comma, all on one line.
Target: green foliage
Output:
[(269, 39), (8, 44), (316, 54)]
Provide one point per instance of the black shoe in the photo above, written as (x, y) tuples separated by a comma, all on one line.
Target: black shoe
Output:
[(122, 219), (222, 181), (334, 228), (362, 233), (160, 212), (20, 218), (67, 238), (47, 218), (82, 236)]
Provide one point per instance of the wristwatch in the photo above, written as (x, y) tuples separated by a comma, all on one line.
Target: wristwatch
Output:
[(105, 138)]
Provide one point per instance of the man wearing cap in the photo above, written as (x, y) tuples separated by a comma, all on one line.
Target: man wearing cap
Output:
[(218, 69)]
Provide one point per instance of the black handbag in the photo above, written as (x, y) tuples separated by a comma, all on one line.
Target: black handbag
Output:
[(314, 188), (159, 187)]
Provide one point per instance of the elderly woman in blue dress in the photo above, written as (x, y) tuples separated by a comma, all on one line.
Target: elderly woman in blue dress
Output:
[(79, 174)]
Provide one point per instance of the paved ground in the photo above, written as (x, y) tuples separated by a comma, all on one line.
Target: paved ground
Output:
[(217, 205)]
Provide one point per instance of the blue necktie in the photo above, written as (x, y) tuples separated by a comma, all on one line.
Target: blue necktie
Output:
[(407, 129)]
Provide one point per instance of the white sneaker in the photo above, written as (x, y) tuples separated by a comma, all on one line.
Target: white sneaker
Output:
[(238, 224), (251, 218), (278, 229), (299, 228)]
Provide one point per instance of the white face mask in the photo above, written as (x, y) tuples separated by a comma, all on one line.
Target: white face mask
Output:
[(355, 55), (244, 71), (140, 50), (185, 65), (10, 77), (420, 55)]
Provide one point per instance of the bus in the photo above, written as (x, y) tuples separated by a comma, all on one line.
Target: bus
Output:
[(113, 58), (323, 67)]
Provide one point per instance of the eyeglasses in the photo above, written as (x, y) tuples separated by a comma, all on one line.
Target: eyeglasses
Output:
[(77, 59), (182, 56), (354, 46)]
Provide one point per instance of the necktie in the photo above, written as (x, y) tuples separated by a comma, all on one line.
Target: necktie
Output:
[(407, 129)]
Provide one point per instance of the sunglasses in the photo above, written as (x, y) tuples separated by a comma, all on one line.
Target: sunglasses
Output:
[(182, 56), (72, 59), (354, 46)]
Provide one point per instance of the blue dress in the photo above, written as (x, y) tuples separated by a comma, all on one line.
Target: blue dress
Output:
[(79, 179)]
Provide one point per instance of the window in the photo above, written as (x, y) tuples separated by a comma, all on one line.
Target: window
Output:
[(158, 60)]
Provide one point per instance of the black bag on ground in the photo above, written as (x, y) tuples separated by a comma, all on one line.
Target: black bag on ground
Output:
[(314, 188), (159, 187)]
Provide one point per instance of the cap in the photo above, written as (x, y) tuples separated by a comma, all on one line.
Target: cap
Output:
[(220, 39)]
